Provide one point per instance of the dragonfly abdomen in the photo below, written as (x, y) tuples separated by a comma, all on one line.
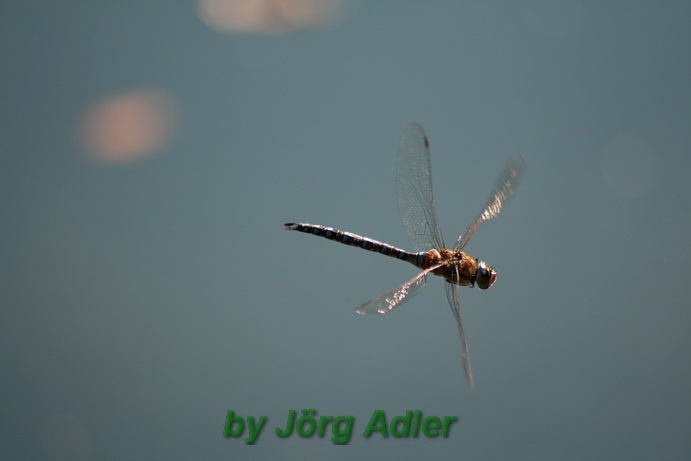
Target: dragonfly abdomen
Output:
[(348, 238)]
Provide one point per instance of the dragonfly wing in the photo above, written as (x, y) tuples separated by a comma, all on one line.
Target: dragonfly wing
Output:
[(386, 302), (503, 190), (453, 295), (414, 190)]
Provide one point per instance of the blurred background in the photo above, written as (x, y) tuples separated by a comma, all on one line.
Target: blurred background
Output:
[(150, 153)]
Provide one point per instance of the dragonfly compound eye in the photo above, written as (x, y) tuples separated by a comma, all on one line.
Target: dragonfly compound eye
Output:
[(485, 276)]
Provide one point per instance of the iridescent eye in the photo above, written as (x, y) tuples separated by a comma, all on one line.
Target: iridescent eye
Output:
[(485, 276)]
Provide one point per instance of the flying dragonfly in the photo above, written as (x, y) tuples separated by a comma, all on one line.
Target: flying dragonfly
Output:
[(416, 206)]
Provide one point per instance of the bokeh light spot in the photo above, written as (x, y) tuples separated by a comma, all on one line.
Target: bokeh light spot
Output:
[(128, 126), (269, 16)]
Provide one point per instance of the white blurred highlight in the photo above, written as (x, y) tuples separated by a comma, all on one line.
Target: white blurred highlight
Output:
[(628, 166), (270, 16), (128, 126), (65, 438)]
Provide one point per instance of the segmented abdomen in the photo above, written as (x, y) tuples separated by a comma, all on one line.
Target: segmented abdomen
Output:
[(348, 238)]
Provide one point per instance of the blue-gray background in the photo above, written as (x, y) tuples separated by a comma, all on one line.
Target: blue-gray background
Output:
[(140, 301)]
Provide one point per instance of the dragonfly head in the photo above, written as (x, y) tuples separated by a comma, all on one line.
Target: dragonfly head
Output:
[(485, 276)]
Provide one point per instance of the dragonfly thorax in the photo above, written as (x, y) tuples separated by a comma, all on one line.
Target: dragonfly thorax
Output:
[(459, 268)]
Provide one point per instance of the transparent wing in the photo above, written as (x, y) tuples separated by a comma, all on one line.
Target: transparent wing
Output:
[(414, 190), (504, 188), (386, 302), (453, 295)]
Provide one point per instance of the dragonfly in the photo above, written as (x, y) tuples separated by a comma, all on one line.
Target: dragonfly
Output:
[(417, 210)]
